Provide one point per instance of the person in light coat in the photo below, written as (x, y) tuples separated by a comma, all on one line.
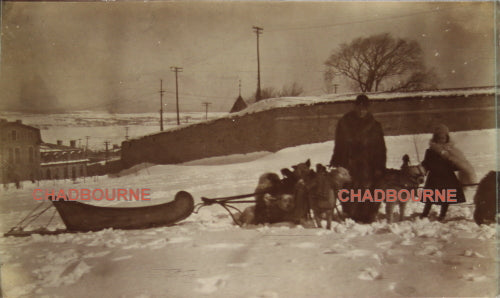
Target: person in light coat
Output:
[(441, 161)]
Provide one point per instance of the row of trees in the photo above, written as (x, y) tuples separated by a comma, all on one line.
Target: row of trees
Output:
[(375, 63)]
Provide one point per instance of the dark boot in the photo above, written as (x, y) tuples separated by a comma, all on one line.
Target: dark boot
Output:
[(442, 213), (426, 211)]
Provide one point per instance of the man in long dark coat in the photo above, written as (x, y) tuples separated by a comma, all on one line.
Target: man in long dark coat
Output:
[(360, 148)]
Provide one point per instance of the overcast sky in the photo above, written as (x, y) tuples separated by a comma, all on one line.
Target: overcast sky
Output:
[(112, 55)]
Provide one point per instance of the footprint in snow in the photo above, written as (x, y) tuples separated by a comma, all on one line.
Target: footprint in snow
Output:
[(338, 249), (389, 258), (178, 239), (473, 277), (305, 245), (267, 294), (451, 261), (407, 242), (121, 258), (324, 232), (238, 265), (370, 273), (358, 253), (211, 284), (429, 251), (157, 244), (224, 245), (403, 290), (19, 291), (385, 245), (473, 254), (96, 254), (134, 245)]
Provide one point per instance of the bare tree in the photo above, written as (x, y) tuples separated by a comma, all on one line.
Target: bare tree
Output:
[(381, 62), (268, 92), (416, 80), (328, 77), (293, 89)]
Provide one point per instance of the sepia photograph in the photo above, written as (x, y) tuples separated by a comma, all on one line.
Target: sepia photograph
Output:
[(249, 149)]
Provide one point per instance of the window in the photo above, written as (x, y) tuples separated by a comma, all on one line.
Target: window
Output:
[(48, 174), (14, 135), (31, 154), (18, 155), (11, 155)]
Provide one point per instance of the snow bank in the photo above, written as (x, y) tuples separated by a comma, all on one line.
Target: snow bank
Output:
[(207, 255)]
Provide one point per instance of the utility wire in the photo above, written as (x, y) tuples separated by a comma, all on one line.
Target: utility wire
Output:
[(357, 22)]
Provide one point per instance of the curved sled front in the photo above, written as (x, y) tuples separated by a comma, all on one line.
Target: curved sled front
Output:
[(79, 217)]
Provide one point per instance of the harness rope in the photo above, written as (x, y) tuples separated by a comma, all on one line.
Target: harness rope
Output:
[(32, 217), (51, 218), (416, 149), (224, 202), (28, 215), (37, 215)]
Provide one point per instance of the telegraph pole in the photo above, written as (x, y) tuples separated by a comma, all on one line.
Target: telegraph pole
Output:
[(87, 145), (335, 86), (176, 70), (206, 104), (106, 156), (161, 104), (258, 31), (126, 132)]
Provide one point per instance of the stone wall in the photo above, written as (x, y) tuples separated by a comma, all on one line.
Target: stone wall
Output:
[(272, 130)]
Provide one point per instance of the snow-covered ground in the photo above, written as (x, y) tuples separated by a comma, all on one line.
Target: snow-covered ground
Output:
[(206, 255)]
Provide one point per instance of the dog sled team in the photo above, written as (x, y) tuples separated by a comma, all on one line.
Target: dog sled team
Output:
[(358, 162)]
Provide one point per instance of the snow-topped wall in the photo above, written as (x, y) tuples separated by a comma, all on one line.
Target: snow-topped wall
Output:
[(273, 124)]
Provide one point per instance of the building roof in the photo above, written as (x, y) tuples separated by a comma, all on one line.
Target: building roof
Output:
[(18, 123), (49, 147), (4, 125), (238, 105)]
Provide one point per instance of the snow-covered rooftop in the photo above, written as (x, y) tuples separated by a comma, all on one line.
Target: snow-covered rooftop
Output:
[(64, 162)]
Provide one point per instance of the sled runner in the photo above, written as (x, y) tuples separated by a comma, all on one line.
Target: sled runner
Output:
[(80, 217), (226, 203)]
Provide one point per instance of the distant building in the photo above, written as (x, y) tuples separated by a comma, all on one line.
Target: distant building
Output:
[(19, 152), (239, 105), (62, 162)]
